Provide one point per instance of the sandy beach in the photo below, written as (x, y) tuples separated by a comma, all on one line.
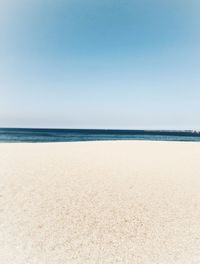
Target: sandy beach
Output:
[(134, 202)]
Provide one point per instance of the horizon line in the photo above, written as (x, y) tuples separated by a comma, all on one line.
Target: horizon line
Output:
[(107, 129)]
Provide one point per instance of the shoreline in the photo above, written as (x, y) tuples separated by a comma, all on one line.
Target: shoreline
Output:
[(101, 141)]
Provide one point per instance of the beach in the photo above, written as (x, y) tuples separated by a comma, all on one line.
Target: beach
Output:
[(100, 202)]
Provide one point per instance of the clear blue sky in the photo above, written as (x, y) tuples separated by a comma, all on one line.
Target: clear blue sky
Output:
[(100, 64)]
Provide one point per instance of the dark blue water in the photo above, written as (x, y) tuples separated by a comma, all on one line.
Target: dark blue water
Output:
[(66, 135)]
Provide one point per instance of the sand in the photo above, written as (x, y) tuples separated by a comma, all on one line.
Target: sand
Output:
[(100, 202)]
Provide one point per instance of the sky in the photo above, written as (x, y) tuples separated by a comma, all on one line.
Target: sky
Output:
[(131, 64)]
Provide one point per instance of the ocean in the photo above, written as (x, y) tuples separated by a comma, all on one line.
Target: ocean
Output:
[(70, 135)]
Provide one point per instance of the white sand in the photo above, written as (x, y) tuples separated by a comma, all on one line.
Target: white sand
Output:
[(100, 202)]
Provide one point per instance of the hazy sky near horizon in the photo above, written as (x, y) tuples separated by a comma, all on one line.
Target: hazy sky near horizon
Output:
[(100, 64)]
